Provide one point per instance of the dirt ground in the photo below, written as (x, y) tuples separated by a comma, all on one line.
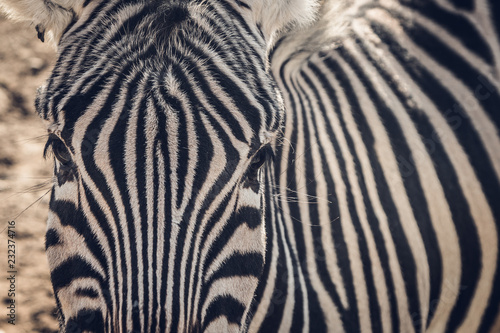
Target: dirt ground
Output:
[(25, 63)]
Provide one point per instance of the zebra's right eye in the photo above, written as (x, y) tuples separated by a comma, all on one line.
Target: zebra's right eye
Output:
[(59, 150)]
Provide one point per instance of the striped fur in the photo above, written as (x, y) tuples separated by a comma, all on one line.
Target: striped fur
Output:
[(392, 163), (157, 222), (377, 209)]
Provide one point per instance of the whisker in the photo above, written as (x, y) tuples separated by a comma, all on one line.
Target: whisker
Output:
[(314, 197), (37, 187), (308, 224), (40, 138), (24, 210), (31, 205)]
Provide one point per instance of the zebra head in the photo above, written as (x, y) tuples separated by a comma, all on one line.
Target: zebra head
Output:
[(161, 118)]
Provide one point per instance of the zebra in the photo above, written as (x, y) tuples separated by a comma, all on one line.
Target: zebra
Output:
[(245, 166)]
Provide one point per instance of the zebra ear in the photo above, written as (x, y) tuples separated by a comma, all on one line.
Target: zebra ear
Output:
[(50, 17), (274, 16)]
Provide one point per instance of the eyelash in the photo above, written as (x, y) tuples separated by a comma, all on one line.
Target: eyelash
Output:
[(265, 154), (47, 150), (58, 150)]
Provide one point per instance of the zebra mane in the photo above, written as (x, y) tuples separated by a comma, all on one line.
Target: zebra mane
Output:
[(276, 16), (52, 17), (298, 43)]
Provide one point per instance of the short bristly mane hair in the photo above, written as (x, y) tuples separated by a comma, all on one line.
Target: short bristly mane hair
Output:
[(274, 17)]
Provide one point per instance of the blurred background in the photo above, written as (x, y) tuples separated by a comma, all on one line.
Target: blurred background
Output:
[(25, 63)]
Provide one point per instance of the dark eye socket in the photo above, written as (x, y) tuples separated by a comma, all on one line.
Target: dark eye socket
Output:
[(262, 156), (259, 159), (58, 148)]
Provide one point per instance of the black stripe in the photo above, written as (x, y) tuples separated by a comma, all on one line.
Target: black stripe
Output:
[(238, 264), (495, 16), (243, 4), (71, 269), (87, 292), (225, 306), (86, 321), (52, 238), (464, 4), (251, 216), (182, 148)]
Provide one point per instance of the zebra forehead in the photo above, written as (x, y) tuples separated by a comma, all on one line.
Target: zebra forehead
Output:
[(200, 76)]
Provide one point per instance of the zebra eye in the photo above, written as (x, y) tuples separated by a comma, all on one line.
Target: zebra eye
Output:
[(59, 150), (258, 161)]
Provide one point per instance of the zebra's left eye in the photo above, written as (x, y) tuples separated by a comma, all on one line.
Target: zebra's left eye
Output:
[(59, 150), (258, 160), (262, 156)]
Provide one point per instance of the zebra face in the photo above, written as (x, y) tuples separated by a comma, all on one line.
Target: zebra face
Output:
[(162, 130)]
